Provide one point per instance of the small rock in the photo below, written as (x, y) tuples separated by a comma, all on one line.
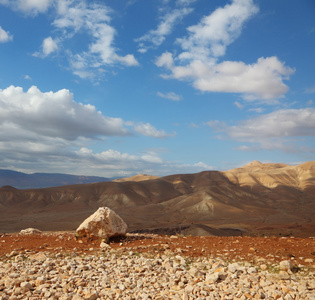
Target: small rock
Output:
[(264, 267), (252, 270), (212, 278), (104, 245), (30, 231), (26, 285), (286, 265)]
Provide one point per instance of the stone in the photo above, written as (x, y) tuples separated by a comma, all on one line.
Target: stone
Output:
[(286, 265), (128, 275), (26, 285), (264, 267), (104, 245), (194, 272), (104, 223), (233, 267), (252, 270), (212, 278), (30, 231)]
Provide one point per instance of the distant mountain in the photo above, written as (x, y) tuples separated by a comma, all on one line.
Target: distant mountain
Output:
[(255, 199), (21, 180)]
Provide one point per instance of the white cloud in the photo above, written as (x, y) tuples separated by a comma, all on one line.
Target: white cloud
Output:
[(147, 129), (48, 47), (157, 36), (128, 60), (277, 130), (54, 114), (281, 123), (171, 96), (207, 41), (238, 105), (5, 36), (193, 125), (203, 165), (261, 80), (165, 60), (27, 77), (32, 7), (71, 18), (42, 131), (210, 37), (185, 2), (257, 110), (93, 18)]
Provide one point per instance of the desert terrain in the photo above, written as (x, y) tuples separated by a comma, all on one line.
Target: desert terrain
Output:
[(59, 265), (247, 233), (256, 199)]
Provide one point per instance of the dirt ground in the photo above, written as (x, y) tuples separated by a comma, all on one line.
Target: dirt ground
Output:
[(300, 250)]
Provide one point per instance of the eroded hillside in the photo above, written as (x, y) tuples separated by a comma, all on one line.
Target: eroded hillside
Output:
[(259, 198)]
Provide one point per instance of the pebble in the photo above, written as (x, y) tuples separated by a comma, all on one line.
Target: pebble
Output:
[(123, 274)]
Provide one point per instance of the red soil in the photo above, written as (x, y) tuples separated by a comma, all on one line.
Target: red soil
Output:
[(228, 248)]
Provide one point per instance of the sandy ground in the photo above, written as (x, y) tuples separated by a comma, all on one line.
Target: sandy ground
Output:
[(300, 250)]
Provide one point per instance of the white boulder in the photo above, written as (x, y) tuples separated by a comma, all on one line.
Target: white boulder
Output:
[(30, 231), (104, 223)]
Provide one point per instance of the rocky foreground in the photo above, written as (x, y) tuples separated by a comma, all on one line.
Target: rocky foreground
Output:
[(60, 266)]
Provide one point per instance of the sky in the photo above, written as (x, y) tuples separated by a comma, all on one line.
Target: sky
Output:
[(115, 88)]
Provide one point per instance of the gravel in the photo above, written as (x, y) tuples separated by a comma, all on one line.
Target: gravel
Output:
[(124, 274)]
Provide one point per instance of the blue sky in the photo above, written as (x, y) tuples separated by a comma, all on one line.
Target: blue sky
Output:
[(117, 88)]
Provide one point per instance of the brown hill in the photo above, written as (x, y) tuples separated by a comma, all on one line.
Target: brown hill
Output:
[(257, 198), (139, 177)]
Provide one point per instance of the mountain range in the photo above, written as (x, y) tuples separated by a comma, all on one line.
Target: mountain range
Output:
[(256, 199), (21, 180)]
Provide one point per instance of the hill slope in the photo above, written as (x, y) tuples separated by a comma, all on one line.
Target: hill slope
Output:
[(254, 198)]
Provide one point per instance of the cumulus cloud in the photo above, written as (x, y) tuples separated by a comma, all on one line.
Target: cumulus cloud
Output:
[(276, 130), (49, 46), (42, 131), (5, 36), (207, 41), (157, 36), (261, 80), (54, 114), (171, 96)]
